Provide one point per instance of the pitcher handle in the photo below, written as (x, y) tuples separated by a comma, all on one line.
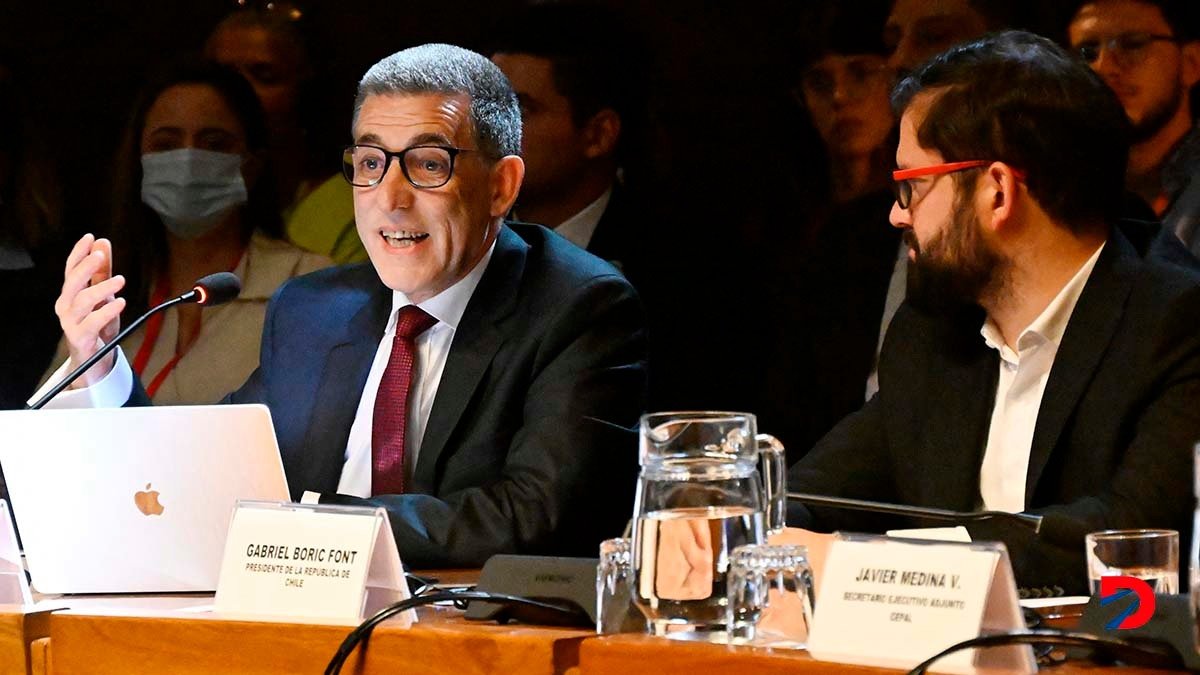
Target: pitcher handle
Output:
[(774, 477)]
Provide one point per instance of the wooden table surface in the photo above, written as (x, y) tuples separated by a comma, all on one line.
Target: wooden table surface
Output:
[(96, 639), (628, 654), (441, 642), (18, 627)]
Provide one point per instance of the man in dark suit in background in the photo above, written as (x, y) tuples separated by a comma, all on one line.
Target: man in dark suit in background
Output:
[(477, 380), (575, 71), (1039, 364)]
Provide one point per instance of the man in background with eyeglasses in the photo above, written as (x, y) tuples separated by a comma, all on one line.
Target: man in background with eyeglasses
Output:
[(1148, 52), (1040, 364), (478, 380)]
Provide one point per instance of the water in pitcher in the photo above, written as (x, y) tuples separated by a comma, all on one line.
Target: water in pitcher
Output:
[(682, 560)]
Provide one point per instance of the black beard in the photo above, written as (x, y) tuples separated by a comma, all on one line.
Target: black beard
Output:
[(1156, 118), (957, 267)]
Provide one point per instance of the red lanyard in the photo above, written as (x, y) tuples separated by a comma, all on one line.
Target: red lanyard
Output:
[(153, 328)]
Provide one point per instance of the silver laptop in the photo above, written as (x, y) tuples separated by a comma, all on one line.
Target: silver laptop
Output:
[(134, 500)]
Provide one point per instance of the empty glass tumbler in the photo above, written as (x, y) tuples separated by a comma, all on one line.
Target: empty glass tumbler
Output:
[(770, 596), (615, 610)]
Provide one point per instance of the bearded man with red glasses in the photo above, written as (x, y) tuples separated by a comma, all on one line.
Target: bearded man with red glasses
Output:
[(1041, 363)]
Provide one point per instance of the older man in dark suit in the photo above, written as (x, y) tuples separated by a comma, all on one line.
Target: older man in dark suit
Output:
[(1040, 364), (477, 380)]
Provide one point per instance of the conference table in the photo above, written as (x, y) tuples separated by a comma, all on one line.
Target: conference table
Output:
[(173, 634)]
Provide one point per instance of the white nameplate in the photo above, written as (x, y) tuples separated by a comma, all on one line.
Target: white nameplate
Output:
[(14, 585), (895, 602), (303, 562)]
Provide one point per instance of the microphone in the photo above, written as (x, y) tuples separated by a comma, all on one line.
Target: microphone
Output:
[(209, 291), (1026, 519)]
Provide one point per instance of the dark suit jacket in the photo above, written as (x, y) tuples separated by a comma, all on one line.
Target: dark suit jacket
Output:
[(620, 237), (528, 447), (613, 239), (1112, 446)]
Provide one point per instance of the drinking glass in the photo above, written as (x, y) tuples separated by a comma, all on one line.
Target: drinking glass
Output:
[(770, 596), (700, 495), (1149, 555), (615, 611)]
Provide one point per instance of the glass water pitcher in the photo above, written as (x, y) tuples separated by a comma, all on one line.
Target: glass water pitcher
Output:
[(700, 495)]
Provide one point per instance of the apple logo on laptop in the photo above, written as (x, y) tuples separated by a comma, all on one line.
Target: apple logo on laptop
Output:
[(147, 502)]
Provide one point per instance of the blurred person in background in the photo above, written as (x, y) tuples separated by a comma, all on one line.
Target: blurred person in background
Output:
[(829, 328), (918, 29), (265, 42), (1148, 52), (577, 96), (30, 242), (194, 194)]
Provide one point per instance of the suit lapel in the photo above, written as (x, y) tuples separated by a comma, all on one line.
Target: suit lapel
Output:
[(959, 415), (342, 381), (1089, 331), (476, 341)]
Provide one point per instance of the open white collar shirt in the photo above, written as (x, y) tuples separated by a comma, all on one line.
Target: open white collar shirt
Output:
[(1023, 376)]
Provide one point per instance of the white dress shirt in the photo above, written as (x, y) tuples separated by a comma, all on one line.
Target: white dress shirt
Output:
[(579, 228), (1023, 376), (433, 346)]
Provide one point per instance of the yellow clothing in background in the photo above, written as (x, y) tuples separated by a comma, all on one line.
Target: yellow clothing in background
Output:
[(323, 222)]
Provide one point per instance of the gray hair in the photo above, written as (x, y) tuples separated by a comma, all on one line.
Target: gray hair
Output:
[(450, 70)]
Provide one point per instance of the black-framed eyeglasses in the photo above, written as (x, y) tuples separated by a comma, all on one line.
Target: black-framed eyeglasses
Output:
[(1127, 49), (425, 166)]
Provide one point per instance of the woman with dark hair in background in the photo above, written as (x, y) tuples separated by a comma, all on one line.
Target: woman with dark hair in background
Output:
[(830, 325), (194, 194), (30, 243)]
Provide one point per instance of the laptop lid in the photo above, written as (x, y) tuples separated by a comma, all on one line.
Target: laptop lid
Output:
[(134, 500)]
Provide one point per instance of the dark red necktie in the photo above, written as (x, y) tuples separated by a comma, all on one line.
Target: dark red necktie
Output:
[(391, 403)]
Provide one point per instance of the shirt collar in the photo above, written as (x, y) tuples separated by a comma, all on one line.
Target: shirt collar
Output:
[(578, 229), (448, 306), (1051, 324)]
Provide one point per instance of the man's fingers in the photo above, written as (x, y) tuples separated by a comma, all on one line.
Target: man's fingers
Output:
[(80, 277), (104, 246), (92, 297), (78, 253), (96, 321)]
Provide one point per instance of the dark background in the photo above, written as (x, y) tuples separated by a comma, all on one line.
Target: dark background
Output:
[(716, 74), (728, 173)]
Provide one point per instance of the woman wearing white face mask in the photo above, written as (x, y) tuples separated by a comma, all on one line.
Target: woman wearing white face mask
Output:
[(194, 195)]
